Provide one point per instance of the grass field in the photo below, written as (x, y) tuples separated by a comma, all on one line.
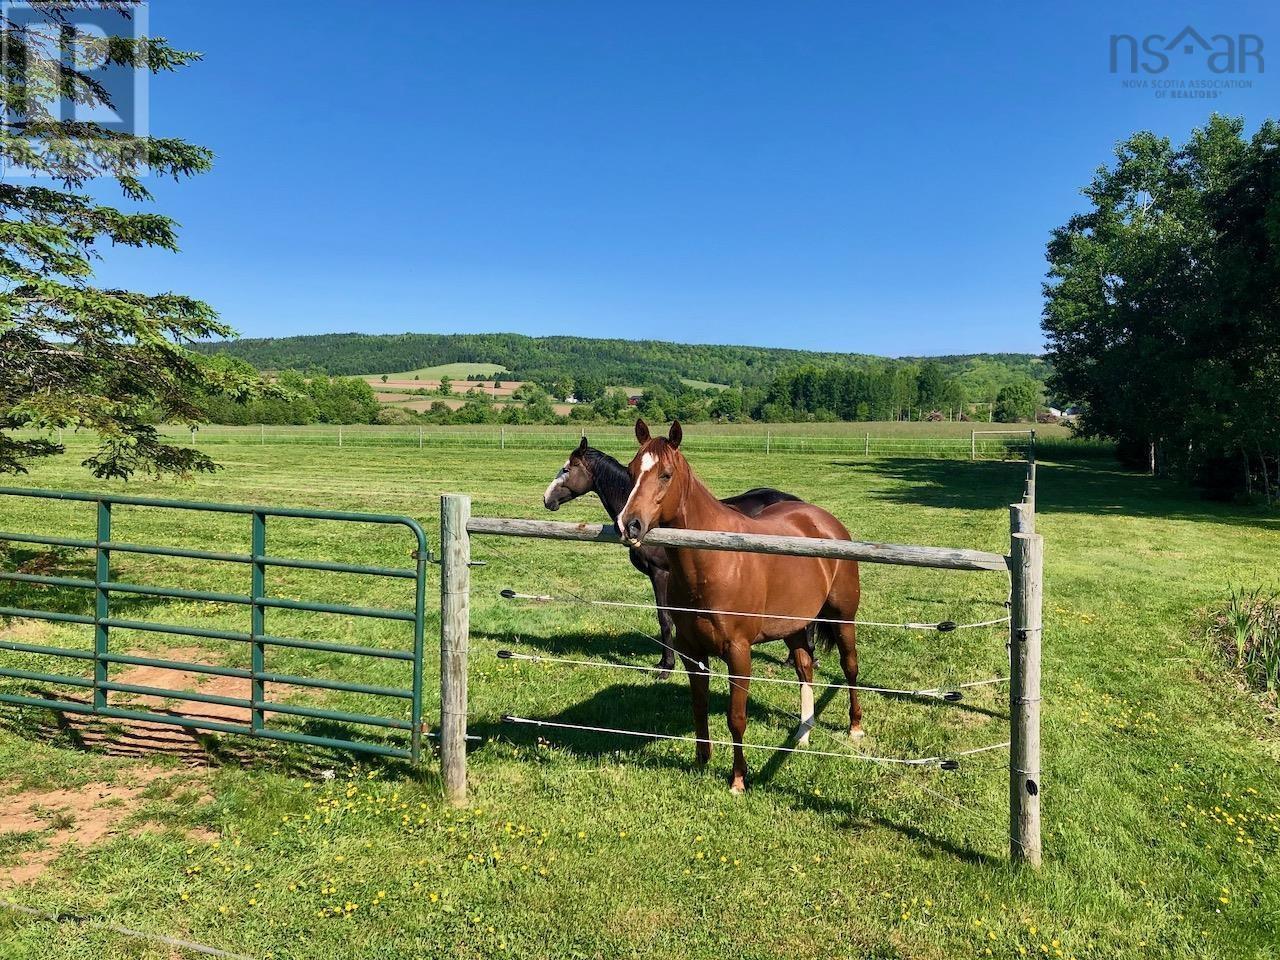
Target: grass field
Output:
[(454, 371), (1162, 791)]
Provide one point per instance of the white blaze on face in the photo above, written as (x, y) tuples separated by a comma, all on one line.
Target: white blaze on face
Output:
[(647, 463), (551, 487)]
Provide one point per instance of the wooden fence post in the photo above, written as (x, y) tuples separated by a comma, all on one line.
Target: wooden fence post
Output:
[(419, 438), (1027, 567), (1031, 474), (1021, 519), (455, 614), (502, 438), (973, 444), (866, 445), (339, 434)]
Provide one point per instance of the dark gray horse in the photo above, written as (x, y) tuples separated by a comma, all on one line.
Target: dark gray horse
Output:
[(589, 470)]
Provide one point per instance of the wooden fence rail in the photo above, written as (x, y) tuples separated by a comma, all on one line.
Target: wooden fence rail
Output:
[(944, 558)]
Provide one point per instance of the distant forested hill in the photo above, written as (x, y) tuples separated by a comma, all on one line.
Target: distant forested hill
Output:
[(631, 362)]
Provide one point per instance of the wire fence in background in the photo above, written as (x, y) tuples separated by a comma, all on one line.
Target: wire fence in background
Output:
[(1013, 445)]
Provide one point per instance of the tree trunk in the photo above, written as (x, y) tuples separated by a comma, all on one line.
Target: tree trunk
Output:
[(1266, 476)]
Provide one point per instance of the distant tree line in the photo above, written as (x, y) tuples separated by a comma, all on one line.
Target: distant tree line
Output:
[(591, 365), (301, 398), (1163, 306), (893, 391)]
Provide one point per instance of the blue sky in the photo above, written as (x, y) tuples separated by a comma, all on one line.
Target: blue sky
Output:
[(829, 175)]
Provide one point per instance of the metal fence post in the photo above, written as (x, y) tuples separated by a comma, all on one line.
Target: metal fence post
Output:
[(419, 438), (339, 434), (1027, 567), (258, 624), (866, 446), (973, 444), (101, 608), (455, 600), (502, 438), (768, 441), (262, 434)]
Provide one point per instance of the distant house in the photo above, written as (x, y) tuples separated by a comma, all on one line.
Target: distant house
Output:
[(633, 401), (1055, 412), (1071, 413)]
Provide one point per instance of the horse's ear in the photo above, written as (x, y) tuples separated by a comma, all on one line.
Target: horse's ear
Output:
[(642, 432), (582, 447), (675, 434)]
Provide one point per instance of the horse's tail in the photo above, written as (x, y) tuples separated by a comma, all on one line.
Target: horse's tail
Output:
[(824, 630)]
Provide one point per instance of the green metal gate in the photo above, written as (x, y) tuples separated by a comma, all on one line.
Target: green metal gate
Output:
[(258, 601)]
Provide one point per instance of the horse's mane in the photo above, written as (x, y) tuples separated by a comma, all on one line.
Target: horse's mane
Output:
[(612, 480)]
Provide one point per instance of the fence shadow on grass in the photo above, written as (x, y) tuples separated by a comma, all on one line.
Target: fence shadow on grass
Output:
[(1082, 487)]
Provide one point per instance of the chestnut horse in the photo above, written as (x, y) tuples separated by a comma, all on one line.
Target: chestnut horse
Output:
[(668, 494), (591, 470)]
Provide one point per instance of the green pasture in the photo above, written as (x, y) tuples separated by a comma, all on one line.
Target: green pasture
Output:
[(454, 371), (1161, 787)]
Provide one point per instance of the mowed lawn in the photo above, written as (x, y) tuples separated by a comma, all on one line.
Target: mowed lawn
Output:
[(1161, 787)]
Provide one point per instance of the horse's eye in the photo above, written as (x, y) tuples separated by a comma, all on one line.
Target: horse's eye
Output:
[(666, 477)]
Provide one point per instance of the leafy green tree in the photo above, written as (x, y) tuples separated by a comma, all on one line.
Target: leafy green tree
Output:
[(588, 388), (1017, 402), (74, 354), (446, 386), (1161, 307)]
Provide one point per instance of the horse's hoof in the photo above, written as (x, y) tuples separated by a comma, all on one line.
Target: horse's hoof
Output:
[(857, 733), (737, 788), (663, 674)]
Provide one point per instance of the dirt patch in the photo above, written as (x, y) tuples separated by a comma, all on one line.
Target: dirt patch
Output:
[(81, 816)]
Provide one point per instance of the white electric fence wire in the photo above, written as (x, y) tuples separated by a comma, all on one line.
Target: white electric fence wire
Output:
[(944, 627), (666, 646), (868, 758), (939, 693)]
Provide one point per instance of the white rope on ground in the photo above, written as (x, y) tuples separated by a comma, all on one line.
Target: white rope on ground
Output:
[(945, 626), (63, 917), (942, 763), (951, 694)]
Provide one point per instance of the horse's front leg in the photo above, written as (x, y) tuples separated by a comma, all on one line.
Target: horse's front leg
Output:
[(738, 657), (700, 692)]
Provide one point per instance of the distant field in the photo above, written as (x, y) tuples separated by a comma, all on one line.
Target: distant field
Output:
[(703, 384), (454, 371)]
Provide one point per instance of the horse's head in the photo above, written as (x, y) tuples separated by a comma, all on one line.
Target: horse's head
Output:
[(660, 475), (573, 480)]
